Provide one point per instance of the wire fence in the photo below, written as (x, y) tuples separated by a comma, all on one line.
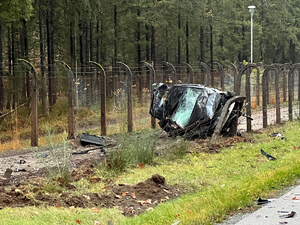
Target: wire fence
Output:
[(116, 99)]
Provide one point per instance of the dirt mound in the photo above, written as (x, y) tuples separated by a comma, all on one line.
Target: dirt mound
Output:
[(134, 200), (131, 200)]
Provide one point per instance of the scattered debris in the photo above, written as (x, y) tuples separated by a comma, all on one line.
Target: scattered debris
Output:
[(22, 161), (87, 151), (282, 138), (176, 222), (43, 155), (191, 110), (239, 133), (269, 157), (87, 139), (289, 215), (20, 170), (262, 201), (275, 135)]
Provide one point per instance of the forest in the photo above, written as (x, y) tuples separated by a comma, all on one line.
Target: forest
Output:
[(79, 31)]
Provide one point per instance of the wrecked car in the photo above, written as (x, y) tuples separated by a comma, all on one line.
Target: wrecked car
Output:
[(192, 110)]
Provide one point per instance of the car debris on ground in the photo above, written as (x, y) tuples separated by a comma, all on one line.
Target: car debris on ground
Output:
[(91, 140), (269, 157)]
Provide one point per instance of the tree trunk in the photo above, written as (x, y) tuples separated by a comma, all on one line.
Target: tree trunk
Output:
[(261, 44), (91, 42), (88, 57), (147, 43), (153, 31), (167, 45), (9, 64), (102, 46), (87, 43), (211, 47), (13, 57), (1, 73), (178, 41), (187, 52), (26, 56), (97, 41), (244, 45), (202, 45), (81, 52), (43, 62), (211, 56), (221, 43), (50, 45), (138, 37), (115, 34), (73, 59)]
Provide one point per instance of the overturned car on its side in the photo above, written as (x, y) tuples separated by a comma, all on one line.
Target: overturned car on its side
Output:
[(194, 111)]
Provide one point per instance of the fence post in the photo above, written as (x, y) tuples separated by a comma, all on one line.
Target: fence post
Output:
[(129, 95), (291, 91), (207, 83), (152, 79), (264, 100), (277, 96), (248, 97), (34, 103), (173, 72), (102, 97), (298, 67), (248, 88), (71, 118), (191, 73), (266, 92), (221, 69), (235, 72), (257, 87)]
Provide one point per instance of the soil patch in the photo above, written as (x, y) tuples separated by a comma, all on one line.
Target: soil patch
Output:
[(130, 199)]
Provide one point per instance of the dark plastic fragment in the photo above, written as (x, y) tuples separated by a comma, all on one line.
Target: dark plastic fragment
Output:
[(87, 139)]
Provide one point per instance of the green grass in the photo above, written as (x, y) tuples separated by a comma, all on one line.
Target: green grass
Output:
[(216, 184), (52, 215)]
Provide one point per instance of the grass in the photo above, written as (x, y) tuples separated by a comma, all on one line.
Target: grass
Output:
[(216, 184), (52, 215), (15, 128)]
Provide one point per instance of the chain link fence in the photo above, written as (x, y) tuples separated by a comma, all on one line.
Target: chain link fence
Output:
[(116, 99)]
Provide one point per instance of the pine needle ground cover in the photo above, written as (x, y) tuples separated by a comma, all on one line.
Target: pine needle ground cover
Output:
[(214, 183)]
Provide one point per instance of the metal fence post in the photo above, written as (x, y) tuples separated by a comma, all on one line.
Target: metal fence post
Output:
[(173, 71), (102, 97), (291, 92), (129, 95), (265, 93), (71, 117), (257, 87), (235, 72), (152, 79), (34, 104), (204, 65), (248, 88), (190, 71), (221, 69)]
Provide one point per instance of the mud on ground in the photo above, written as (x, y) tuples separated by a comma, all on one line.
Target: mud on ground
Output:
[(20, 172)]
